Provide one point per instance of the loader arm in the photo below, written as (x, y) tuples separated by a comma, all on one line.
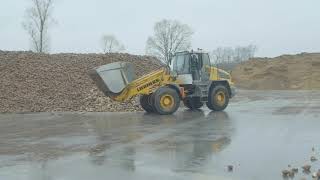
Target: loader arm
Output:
[(143, 85), (117, 80)]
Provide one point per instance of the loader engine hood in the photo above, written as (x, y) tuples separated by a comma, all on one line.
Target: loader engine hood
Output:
[(112, 78)]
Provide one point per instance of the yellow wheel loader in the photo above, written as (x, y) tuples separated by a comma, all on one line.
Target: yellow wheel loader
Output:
[(189, 77)]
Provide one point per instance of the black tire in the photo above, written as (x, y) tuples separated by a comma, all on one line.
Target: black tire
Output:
[(216, 104), (162, 95), (146, 103), (193, 103)]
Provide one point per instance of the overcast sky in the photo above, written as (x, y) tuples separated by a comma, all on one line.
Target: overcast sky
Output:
[(275, 26)]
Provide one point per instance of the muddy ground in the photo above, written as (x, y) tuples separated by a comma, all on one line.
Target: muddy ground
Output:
[(259, 134)]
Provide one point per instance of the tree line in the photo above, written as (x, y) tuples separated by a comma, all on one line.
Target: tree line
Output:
[(169, 36), (228, 57)]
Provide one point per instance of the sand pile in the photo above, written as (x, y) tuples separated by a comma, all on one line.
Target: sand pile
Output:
[(297, 72), (31, 82)]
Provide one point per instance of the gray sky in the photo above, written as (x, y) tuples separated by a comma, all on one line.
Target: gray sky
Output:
[(275, 26)]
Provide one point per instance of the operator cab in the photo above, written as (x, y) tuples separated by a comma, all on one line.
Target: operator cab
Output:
[(190, 66)]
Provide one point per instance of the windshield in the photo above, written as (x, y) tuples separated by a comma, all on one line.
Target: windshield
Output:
[(181, 64)]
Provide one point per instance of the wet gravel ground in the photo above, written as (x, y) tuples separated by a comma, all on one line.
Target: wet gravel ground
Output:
[(258, 135)]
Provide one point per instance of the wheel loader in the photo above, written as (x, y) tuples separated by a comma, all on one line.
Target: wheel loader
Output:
[(188, 77)]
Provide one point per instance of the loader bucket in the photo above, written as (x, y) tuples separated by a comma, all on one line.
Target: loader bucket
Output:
[(112, 78)]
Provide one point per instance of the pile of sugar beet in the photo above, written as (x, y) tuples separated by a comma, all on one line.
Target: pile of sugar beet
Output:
[(36, 82)]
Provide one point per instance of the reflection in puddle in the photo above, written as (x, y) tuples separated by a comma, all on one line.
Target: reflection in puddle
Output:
[(137, 147), (189, 140)]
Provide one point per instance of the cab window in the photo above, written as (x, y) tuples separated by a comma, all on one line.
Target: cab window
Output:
[(181, 63), (205, 60)]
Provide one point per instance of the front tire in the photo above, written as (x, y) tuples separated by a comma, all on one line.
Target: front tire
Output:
[(193, 103), (146, 103), (166, 101), (218, 98)]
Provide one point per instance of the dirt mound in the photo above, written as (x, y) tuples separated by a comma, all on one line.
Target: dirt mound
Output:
[(301, 71), (33, 82)]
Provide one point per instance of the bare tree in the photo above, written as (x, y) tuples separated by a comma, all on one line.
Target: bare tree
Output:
[(217, 55), (227, 57), (252, 49), (244, 53), (238, 54), (169, 37), (110, 44), (38, 19), (228, 54)]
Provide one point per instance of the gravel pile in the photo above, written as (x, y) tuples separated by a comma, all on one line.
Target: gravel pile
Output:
[(33, 82), (294, 72)]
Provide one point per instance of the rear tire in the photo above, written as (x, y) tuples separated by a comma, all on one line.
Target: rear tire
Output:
[(146, 103), (218, 98), (193, 103), (166, 101)]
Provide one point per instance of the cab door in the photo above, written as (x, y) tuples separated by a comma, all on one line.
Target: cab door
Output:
[(205, 73), (181, 66)]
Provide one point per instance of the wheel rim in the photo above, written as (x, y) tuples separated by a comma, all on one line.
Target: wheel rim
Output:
[(167, 101), (220, 98)]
